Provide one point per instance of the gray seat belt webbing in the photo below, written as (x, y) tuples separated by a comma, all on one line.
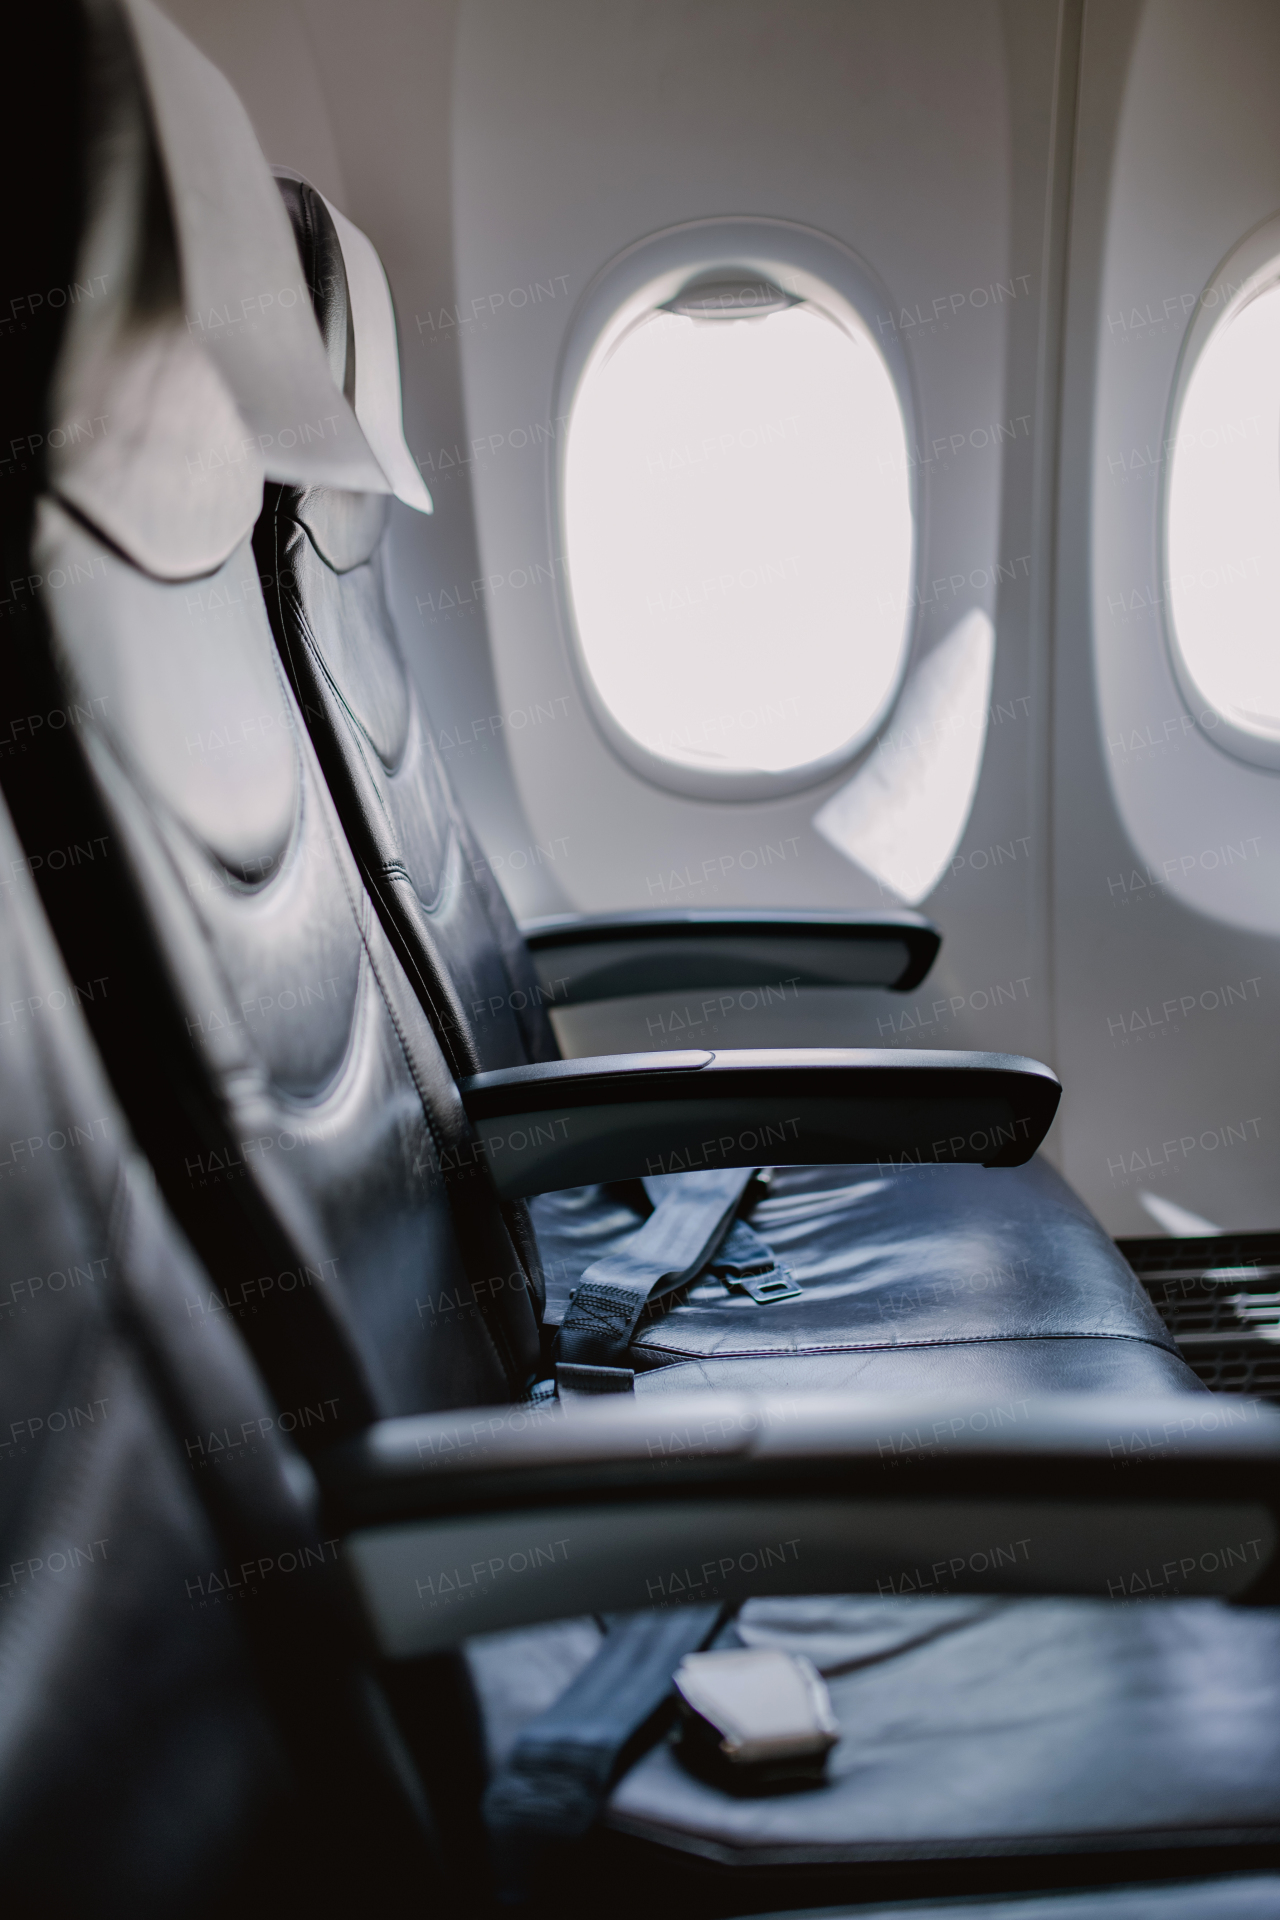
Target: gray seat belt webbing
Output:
[(742, 1260), (567, 1759), (676, 1241)]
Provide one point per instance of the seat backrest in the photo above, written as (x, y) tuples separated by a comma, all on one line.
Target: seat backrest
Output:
[(166, 1689), (321, 559), (273, 1060), (119, 1707)]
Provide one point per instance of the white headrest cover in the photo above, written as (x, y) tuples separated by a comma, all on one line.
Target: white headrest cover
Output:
[(247, 301), (377, 394), (146, 441), (191, 364)]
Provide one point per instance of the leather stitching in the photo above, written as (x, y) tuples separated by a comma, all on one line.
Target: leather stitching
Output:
[(891, 1346), (600, 1308)]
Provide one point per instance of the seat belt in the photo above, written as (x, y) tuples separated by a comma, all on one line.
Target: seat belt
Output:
[(692, 1224), (747, 1264), (566, 1760)]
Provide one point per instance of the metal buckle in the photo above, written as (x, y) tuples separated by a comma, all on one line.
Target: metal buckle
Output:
[(777, 1285), (755, 1720)]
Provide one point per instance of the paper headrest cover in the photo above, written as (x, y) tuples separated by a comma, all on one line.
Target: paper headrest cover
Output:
[(192, 366), (377, 384), (247, 301)]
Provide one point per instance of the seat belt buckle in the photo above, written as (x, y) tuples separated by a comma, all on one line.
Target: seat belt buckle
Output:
[(755, 1719), (776, 1285)]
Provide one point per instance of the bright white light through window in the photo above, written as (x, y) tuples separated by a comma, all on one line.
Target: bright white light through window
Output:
[(1223, 531), (904, 811), (739, 538)]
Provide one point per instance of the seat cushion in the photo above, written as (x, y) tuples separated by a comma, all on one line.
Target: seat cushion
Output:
[(985, 1743), (1016, 1727), (997, 1371), (1243, 1896), (934, 1275)]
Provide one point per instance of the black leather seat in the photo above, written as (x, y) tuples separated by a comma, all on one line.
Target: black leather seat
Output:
[(986, 1741), (279, 1069), (182, 1726), (1039, 1730), (1025, 1741), (149, 1769), (282, 1075), (941, 1276), (132, 1745), (274, 1064), (1025, 1732)]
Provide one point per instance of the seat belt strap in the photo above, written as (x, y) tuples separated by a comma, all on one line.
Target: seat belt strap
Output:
[(566, 1760), (682, 1233), (747, 1264), (743, 1261), (692, 1227)]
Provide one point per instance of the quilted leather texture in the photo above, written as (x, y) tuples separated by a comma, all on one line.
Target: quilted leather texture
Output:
[(134, 1750), (439, 900), (179, 1680), (275, 1063), (438, 895)]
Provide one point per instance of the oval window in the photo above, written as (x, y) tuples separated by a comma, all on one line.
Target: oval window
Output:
[(1222, 537), (739, 532)]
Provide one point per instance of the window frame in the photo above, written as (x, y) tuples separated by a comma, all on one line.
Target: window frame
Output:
[(814, 268), (1250, 268)]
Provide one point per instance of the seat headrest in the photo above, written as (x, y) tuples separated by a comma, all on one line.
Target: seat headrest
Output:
[(378, 400), (355, 315), (191, 366)]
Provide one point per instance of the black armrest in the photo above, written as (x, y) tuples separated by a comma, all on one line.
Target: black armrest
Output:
[(603, 956), (568, 1123), (468, 1522)]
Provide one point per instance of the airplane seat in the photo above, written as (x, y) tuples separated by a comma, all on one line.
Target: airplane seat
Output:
[(132, 1747), (318, 550), (142, 1765), (285, 1083), (937, 1274), (162, 1709), (983, 1692), (274, 1065), (986, 1744)]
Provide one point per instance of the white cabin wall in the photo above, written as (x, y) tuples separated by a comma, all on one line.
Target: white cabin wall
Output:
[(579, 129), (1178, 157)]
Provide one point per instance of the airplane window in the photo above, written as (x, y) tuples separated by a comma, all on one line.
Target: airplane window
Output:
[(739, 532), (1223, 531)]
